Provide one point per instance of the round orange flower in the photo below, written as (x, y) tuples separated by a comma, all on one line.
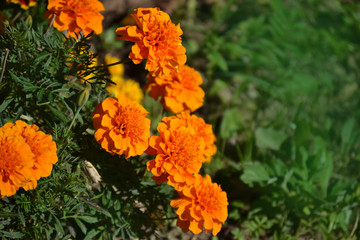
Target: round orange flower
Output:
[(16, 161), (121, 126), (179, 154), (24, 4), (156, 39), (76, 16), (202, 130), (178, 91), (201, 205), (43, 148)]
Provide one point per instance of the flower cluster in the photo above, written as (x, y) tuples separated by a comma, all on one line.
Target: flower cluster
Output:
[(178, 91), (121, 126), (185, 141), (128, 87), (156, 39), (24, 4), (76, 16), (26, 155)]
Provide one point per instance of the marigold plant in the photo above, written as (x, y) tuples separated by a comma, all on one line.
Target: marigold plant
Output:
[(179, 154), (24, 4), (202, 130), (201, 205), (76, 16), (121, 126), (156, 39), (178, 91)]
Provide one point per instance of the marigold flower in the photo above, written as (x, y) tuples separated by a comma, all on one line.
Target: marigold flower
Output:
[(201, 205), (178, 91), (76, 16), (24, 4), (202, 130), (16, 161), (43, 148), (156, 39), (179, 154), (129, 88), (26, 154), (121, 126), (116, 70)]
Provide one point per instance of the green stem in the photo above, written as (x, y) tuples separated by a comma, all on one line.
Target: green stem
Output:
[(73, 120), (119, 62), (7, 51)]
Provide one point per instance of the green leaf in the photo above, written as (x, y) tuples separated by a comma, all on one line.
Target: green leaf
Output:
[(92, 234), (254, 172), (81, 225), (269, 138), (88, 219), (58, 114), (13, 235), (231, 123), (6, 103), (347, 130), (218, 60)]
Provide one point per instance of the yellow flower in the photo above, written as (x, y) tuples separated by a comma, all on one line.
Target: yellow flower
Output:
[(129, 88), (118, 69), (24, 4)]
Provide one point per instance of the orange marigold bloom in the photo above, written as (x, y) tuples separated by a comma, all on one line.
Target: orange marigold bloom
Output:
[(16, 161), (202, 130), (121, 126), (76, 16), (43, 148), (24, 4), (201, 205), (156, 39), (178, 91), (179, 154)]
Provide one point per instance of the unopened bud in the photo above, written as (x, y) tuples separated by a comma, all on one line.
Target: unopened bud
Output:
[(29, 21), (6, 23), (83, 96)]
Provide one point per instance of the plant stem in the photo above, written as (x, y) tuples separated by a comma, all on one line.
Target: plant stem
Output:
[(355, 225), (73, 120), (7, 51), (50, 25)]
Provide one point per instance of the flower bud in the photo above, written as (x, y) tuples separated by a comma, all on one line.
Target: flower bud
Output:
[(29, 21), (83, 96)]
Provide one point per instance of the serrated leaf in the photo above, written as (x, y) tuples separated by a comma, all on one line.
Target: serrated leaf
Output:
[(231, 123), (13, 235), (269, 138), (254, 172)]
